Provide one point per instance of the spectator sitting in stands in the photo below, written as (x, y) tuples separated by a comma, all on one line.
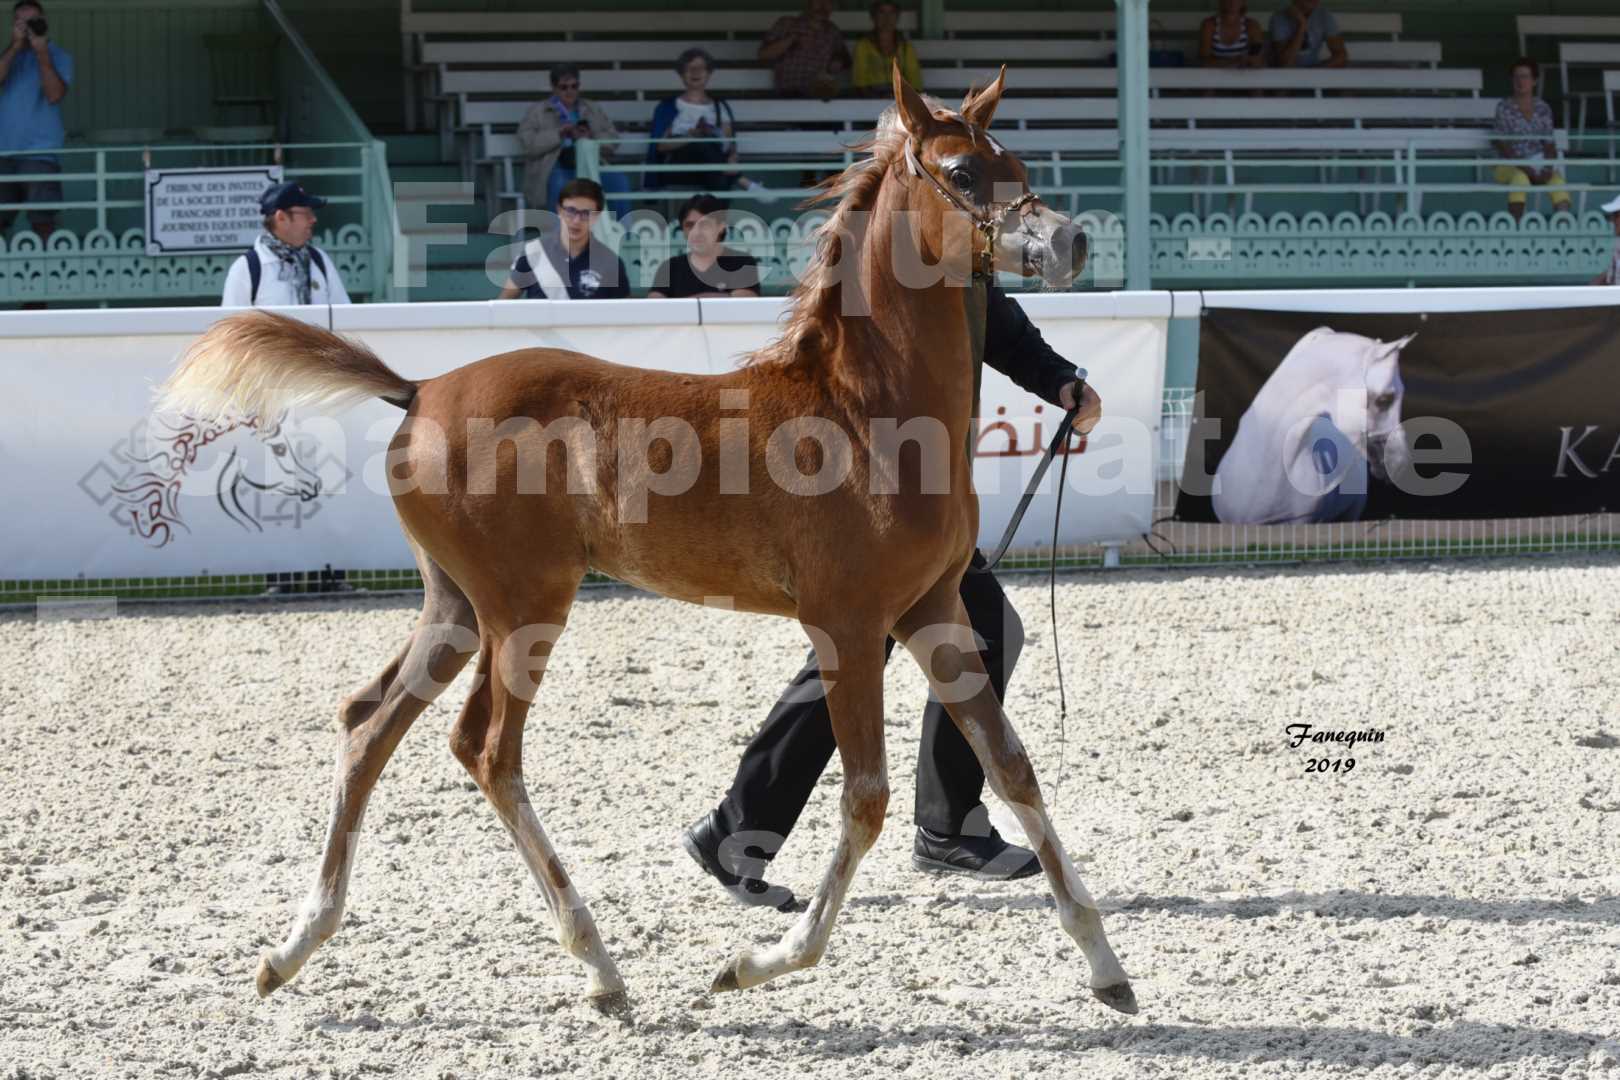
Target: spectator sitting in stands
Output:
[(34, 77), (877, 52), (569, 264), (547, 136), (1230, 39), (1298, 33), (808, 52), (283, 266), (1611, 276), (707, 268), (695, 114), (1526, 122)]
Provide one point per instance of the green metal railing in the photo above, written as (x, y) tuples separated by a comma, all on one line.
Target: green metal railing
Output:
[(1395, 215), (97, 250)]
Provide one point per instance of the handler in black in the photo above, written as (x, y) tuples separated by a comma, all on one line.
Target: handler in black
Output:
[(780, 767)]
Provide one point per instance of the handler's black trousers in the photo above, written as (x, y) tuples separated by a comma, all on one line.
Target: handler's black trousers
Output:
[(780, 767)]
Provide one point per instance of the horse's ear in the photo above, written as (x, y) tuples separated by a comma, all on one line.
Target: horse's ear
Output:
[(913, 109), (1397, 346), (980, 108)]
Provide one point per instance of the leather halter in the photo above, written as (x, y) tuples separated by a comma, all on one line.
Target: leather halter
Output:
[(988, 223)]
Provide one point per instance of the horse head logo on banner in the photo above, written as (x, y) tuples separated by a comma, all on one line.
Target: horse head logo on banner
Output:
[(166, 457)]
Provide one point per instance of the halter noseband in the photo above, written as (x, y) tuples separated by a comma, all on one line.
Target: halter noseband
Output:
[(988, 223)]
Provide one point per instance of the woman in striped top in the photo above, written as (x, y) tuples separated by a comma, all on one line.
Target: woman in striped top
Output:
[(1230, 38)]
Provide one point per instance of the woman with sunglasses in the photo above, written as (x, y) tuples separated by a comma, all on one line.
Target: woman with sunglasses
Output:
[(548, 133)]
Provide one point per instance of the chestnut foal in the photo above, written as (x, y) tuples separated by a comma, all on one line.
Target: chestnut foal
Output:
[(872, 375)]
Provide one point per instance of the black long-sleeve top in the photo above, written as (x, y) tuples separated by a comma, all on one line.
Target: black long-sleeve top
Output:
[(1014, 347)]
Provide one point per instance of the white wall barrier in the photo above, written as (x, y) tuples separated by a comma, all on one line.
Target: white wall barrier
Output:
[(99, 488)]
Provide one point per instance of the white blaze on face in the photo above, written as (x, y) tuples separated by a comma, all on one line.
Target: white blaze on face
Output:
[(1386, 391)]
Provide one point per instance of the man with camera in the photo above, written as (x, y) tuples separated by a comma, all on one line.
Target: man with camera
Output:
[(34, 77), (548, 135)]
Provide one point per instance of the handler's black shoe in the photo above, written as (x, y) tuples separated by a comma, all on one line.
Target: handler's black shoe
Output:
[(989, 857), (704, 841)]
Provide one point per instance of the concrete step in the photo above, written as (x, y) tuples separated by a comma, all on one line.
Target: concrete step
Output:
[(445, 201), (413, 149), (470, 254), (426, 172), (455, 284)]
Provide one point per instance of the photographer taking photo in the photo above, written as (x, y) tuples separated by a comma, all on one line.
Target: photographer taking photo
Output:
[(685, 130), (548, 133), (34, 77)]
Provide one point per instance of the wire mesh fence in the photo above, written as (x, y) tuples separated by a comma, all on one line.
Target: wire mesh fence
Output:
[(1168, 543)]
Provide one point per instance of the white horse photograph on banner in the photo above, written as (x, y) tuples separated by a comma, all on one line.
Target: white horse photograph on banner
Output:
[(1327, 419)]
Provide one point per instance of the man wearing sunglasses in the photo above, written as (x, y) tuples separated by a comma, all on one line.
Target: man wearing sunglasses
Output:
[(549, 133), (569, 264), (284, 266)]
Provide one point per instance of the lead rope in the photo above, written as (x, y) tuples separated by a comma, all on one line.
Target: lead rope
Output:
[(1057, 659), (1064, 434)]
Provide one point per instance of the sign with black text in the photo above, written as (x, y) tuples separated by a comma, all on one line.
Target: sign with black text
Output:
[(1307, 418), (198, 210)]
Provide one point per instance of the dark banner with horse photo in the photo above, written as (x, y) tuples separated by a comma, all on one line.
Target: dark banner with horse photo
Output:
[(1312, 417)]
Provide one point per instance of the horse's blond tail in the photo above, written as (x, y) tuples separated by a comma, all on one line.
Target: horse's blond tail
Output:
[(259, 364)]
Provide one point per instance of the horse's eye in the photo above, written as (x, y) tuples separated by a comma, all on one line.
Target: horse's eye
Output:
[(962, 179), (1384, 401), (279, 449)]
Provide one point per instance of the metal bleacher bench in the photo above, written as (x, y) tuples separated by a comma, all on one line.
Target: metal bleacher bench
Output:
[(676, 23), (1351, 23), (699, 24), (959, 51), (856, 113), (1566, 26), (1611, 87), (651, 84), (1458, 124), (1598, 54)]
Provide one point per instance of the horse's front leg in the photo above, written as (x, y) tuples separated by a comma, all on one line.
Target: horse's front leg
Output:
[(852, 670), (937, 633)]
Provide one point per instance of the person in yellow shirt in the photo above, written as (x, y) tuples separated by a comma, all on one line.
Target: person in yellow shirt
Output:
[(876, 53)]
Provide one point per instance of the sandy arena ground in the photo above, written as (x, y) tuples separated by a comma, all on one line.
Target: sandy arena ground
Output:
[(1451, 907)]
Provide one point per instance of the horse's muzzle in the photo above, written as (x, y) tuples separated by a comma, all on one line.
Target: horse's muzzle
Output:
[(1069, 247), (1063, 255)]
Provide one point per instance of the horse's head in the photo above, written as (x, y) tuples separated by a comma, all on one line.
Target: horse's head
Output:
[(284, 473), (972, 196), (1371, 414)]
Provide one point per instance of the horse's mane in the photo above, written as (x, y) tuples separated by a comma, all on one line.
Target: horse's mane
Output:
[(813, 326)]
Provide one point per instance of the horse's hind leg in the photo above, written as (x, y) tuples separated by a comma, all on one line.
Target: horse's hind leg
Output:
[(488, 741), (936, 631), (371, 723), (855, 702)]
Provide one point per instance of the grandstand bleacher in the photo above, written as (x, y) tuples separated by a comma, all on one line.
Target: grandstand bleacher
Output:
[(1404, 130)]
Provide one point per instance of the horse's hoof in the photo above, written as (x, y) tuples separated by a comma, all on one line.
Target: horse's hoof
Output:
[(269, 980), (614, 1003), (726, 980), (1118, 997)]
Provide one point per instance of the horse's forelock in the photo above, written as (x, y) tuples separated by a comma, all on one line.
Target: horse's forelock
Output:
[(812, 324)]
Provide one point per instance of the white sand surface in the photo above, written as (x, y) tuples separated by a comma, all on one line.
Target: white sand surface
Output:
[(1449, 908)]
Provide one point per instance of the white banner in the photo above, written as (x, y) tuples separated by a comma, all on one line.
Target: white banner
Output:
[(99, 488), (192, 210)]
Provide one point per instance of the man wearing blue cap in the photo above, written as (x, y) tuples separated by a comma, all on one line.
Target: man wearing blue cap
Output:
[(282, 267)]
